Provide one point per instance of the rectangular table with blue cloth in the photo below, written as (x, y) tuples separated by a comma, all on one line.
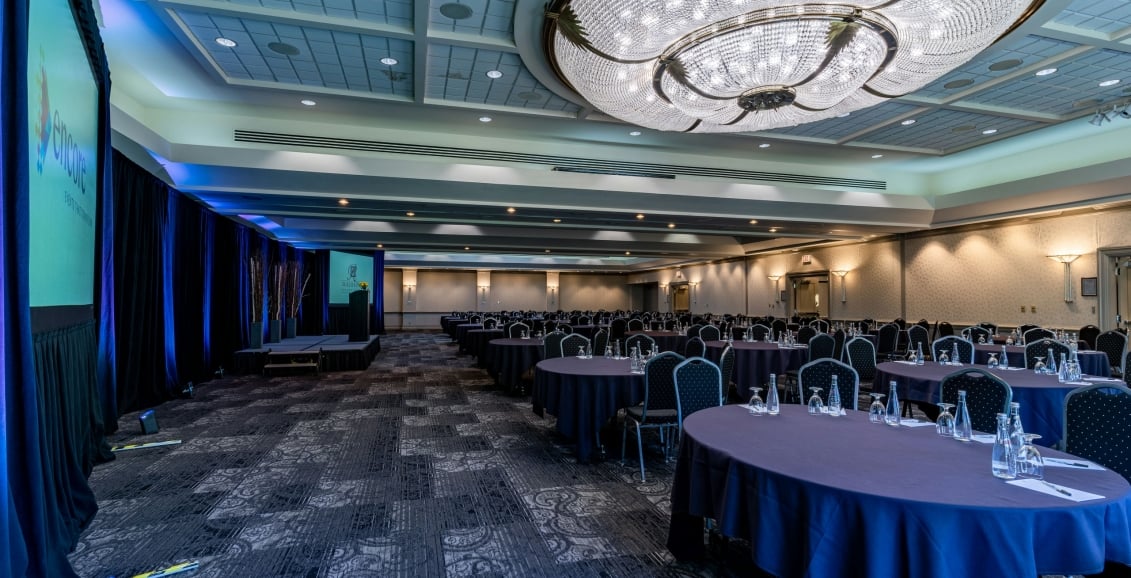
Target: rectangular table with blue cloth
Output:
[(843, 497)]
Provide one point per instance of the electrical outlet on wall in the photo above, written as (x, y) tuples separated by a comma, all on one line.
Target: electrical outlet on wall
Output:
[(1022, 308), (1032, 308)]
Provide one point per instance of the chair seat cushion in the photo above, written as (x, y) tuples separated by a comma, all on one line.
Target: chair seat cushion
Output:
[(654, 416)]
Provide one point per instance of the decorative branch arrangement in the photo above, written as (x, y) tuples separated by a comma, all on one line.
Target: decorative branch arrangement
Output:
[(275, 298), (255, 290), (297, 284)]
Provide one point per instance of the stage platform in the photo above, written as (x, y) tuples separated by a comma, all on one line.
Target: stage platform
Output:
[(338, 352)]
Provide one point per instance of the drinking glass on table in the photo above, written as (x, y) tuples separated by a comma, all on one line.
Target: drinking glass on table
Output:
[(943, 358), (756, 406), (944, 425), (1029, 461), (877, 410), (816, 406), (992, 363), (1039, 367)]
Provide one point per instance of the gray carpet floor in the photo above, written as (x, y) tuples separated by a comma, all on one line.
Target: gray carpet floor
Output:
[(413, 467)]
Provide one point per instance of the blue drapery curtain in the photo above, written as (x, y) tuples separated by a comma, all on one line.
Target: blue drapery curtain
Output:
[(378, 323)]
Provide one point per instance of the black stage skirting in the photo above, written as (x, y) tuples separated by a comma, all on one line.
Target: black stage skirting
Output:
[(338, 352)]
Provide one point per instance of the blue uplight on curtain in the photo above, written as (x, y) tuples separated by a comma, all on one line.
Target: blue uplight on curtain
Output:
[(208, 236), (169, 258), (379, 292)]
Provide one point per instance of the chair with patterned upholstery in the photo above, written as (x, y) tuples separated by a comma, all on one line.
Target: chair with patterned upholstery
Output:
[(887, 340), (516, 329), (698, 385), (726, 366), (805, 333), (948, 344), (552, 345), (693, 330), (618, 328), (1021, 329), (643, 343), (584, 320), (1127, 374), (695, 347), (1037, 334), (777, 327), (1114, 345), (490, 323), (573, 343), (978, 334), (1088, 334), (1097, 426), (917, 336), (820, 325), (860, 353), (991, 327), (1041, 347), (636, 324), (986, 396), (710, 333), (821, 346), (819, 373), (839, 337), (945, 329), (600, 341), (660, 409)]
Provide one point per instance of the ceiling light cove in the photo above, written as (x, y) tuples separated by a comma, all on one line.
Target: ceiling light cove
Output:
[(724, 67)]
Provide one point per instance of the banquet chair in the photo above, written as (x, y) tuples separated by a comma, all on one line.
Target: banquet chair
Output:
[(726, 366), (821, 346), (636, 324), (991, 327), (643, 343), (490, 323), (669, 324), (947, 344), (1113, 344), (571, 343), (819, 374), (660, 409), (698, 385), (552, 344), (617, 328), (916, 336), (860, 353), (886, 340), (1126, 362), (710, 333), (759, 331), (475, 319), (986, 396), (805, 333), (820, 325), (584, 320), (516, 329), (1088, 334), (600, 342), (564, 328), (1037, 334), (945, 329), (778, 326), (738, 333), (838, 343), (1021, 329), (693, 330), (977, 334), (695, 347), (1097, 426), (1041, 347)]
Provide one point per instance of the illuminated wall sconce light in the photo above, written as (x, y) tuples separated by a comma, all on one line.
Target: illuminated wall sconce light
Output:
[(483, 294), (843, 289), (694, 291), (664, 292), (553, 293), (1066, 260), (409, 288), (777, 292)]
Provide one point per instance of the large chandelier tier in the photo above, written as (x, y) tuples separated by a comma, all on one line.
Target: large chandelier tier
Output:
[(748, 65)]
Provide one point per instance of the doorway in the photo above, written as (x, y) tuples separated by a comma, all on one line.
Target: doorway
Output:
[(809, 294), (1114, 288), (681, 297)]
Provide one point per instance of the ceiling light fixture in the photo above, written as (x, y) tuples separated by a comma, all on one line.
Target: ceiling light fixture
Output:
[(989, 131), (225, 42), (1111, 82), (908, 122), (639, 216), (634, 133), (380, 246), (764, 145), (753, 221), (557, 220), (485, 119), (494, 74), (343, 202), (308, 102), (510, 210), (671, 225), (410, 214), (389, 61), (1045, 72), (877, 156), (723, 67), (628, 252)]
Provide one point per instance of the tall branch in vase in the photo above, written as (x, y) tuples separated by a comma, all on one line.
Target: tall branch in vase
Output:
[(297, 285), (255, 288), (275, 298)]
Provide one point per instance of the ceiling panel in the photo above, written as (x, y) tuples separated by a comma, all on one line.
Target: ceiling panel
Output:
[(1026, 51), (393, 12), (839, 128), (460, 74), (487, 18), (1074, 81), (944, 130), (1103, 16)]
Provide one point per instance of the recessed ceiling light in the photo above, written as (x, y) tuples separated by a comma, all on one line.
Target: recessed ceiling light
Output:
[(990, 131), (456, 11), (958, 83), (228, 42), (764, 145), (343, 202), (410, 214), (753, 221), (308, 102), (557, 220), (1045, 71), (380, 246), (844, 115), (484, 119), (634, 133), (908, 122), (467, 248), (547, 250), (494, 74), (1111, 82), (639, 216), (628, 252), (389, 61), (671, 225), (877, 156), (773, 229), (1006, 64)]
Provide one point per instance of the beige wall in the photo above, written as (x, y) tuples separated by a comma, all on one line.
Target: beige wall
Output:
[(964, 277)]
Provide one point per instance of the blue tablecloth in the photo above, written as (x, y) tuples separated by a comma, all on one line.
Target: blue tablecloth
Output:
[(665, 340), (448, 324), (461, 334), (1091, 362), (509, 358), (1041, 396), (477, 340), (831, 497), (755, 361), (584, 394)]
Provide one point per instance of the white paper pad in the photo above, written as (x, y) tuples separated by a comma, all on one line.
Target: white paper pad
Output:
[(1076, 383), (905, 362), (1076, 464), (1011, 368), (984, 438), (914, 423), (1050, 489), (1103, 379)]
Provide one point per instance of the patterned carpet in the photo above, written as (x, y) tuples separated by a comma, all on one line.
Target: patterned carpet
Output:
[(413, 467)]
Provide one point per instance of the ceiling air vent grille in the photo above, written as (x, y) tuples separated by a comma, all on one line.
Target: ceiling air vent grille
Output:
[(559, 163)]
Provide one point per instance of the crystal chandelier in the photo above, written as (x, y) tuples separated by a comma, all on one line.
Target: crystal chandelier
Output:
[(748, 65)]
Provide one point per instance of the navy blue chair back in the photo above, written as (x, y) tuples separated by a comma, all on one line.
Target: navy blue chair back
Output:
[(698, 385), (986, 396), (819, 373), (1097, 426)]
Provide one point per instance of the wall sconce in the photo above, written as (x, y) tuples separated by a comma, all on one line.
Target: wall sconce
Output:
[(553, 290), (483, 294), (409, 287), (664, 292), (1066, 260), (777, 292), (843, 290), (694, 297)]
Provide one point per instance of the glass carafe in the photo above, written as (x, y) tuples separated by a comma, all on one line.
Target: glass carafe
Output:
[(1003, 464), (834, 398), (1004, 358), (772, 405), (963, 432), (891, 417)]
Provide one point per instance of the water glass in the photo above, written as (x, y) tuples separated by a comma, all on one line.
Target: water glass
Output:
[(1039, 367), (756, 406), (1029, 461), (816, 406), (992, 363), (877, 410), (943, 358), (944, 425)]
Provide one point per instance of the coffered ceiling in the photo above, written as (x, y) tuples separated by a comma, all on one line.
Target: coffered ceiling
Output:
[(431, 118)]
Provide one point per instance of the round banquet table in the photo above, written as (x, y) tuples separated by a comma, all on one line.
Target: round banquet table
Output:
[(754, 361), (1091, 362), (1041, 396), (584, 394), (508, 359), (832, 497), (448, 324), (461, 334), (477, 340), (665, 340)]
